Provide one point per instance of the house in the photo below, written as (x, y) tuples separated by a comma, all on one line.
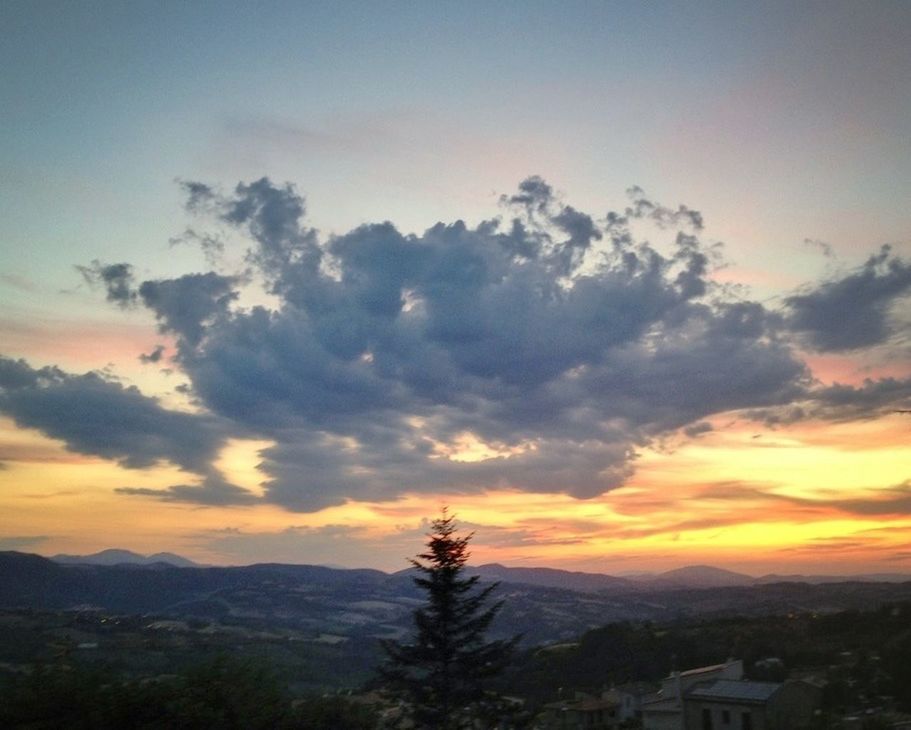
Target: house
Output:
[(664, 710), (727, 704), (629, 698)]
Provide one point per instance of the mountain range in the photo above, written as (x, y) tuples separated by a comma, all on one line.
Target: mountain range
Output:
[(690, 576), (321, 604)]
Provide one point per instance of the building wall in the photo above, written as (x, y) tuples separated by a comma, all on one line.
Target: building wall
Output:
[(695, 709), (792, 707), (629, 704)]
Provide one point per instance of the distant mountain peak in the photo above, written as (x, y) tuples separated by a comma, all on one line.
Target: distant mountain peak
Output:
[(118, 556), (707, 576), (704, 570)]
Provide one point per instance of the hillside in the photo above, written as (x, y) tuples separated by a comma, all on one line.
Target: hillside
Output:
[(367, 604)]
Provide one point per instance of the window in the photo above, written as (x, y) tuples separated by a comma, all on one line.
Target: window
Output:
[(706, 719), (725, 717), (746, 721)]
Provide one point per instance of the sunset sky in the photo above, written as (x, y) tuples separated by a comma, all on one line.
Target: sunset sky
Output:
[(626, 285)]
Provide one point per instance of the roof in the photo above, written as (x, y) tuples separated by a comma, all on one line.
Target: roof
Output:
[(703, 670), (740, 690)]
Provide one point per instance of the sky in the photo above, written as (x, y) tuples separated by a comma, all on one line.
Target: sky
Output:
[(625, 285)]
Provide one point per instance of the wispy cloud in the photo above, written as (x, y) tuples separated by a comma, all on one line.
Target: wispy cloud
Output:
[(22, 542)]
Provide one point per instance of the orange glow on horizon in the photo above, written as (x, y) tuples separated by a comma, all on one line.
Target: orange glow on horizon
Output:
[(737, 497)]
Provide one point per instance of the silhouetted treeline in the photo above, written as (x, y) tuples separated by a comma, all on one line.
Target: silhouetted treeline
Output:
[(223, 694)]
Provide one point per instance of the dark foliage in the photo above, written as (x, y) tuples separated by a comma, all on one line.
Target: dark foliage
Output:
[(443, 676), (222, 694), (337, 713)]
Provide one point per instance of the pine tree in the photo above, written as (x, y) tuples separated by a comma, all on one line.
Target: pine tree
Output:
[(442, 676)]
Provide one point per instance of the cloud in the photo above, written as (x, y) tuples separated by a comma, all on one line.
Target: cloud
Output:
[(697, 429), (19, 282), (343, 545), (853, 311), (154, 356), (824, 248), (348, 545), (212, 491), (839, 402), (828, 546), (97, 416), (559, 359), (537, 351), (872, 397), (534, 194), (735, 491), (117, 279), (644, 208), (889, 501), (23, 542), (198, 195), (212, 246), (894, 500), (187, 305)]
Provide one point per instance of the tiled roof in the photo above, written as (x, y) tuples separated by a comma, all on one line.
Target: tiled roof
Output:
[(735, 689)]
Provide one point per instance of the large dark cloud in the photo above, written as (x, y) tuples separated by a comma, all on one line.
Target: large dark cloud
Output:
[(852, 311), (536, 351), (387, 348)]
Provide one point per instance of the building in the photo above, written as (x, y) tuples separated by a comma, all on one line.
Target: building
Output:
[(727, 704), (629, 698), (664, 710)]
